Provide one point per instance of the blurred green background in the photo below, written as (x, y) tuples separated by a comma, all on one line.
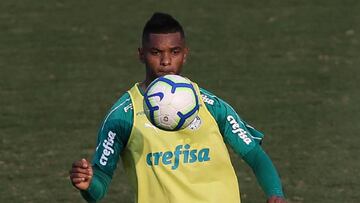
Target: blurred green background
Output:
[(291, 68)]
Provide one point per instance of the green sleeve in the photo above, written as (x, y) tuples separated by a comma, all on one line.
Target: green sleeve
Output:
[(98, 186), (245, 141), (264, 171), (113, 136), (236, 132)]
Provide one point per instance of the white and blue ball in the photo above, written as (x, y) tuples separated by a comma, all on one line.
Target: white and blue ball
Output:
[(171, 102)]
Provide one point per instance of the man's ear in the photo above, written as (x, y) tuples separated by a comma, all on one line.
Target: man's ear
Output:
[(186, 53), (141, 54)]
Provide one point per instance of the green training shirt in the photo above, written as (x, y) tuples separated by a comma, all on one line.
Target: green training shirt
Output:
[(120, 119)]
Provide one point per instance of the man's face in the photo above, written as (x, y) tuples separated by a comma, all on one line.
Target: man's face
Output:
[(163, 54)]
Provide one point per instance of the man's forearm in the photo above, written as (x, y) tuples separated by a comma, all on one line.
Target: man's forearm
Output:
[(265, 172), (98, 187)]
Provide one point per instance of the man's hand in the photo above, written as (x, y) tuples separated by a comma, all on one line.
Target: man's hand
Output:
[(81, 174), (275, 199)]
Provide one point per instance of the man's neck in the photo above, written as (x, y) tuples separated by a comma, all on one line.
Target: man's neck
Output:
[(143, 85)]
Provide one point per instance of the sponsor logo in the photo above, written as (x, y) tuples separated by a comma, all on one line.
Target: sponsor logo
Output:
[(182, 154), (237, 130), (195, 124), (108, 148), (126, 108), (206, 99)]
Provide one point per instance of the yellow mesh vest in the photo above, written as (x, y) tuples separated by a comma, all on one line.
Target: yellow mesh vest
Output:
[(187, 166)]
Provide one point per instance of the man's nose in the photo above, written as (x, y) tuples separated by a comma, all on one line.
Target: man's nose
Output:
[(165, 59)]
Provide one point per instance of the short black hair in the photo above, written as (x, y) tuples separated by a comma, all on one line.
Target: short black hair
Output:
[(161, 23)]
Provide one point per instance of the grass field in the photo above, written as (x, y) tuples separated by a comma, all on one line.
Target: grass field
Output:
[(290, 68)]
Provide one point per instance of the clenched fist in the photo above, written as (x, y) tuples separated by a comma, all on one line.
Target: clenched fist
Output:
[(81, 174)]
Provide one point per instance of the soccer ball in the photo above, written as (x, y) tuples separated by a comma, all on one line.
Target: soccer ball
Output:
[(171, 102)]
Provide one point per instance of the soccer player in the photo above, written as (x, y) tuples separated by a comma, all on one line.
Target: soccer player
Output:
[(190, 165)]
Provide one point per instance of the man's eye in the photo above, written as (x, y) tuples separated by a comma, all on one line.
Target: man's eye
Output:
[(176, 51), (155, 52)]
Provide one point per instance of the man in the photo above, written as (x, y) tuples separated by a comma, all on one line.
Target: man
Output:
[(125, 132)]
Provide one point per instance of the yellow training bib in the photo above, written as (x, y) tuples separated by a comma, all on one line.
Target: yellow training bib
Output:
[(186, 166)]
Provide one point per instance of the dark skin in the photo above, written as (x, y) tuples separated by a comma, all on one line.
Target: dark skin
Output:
[(162, 54), (81, 174)]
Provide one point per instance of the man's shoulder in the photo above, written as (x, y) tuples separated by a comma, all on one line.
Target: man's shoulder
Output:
[(122, 107), (214, 104), (209, 98)]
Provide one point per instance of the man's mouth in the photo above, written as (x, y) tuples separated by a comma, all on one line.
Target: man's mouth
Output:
[(166, 73)]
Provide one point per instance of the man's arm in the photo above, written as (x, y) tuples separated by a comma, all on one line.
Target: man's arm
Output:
[(264, 171), (113, 135), (98, 186), (245, 141)]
